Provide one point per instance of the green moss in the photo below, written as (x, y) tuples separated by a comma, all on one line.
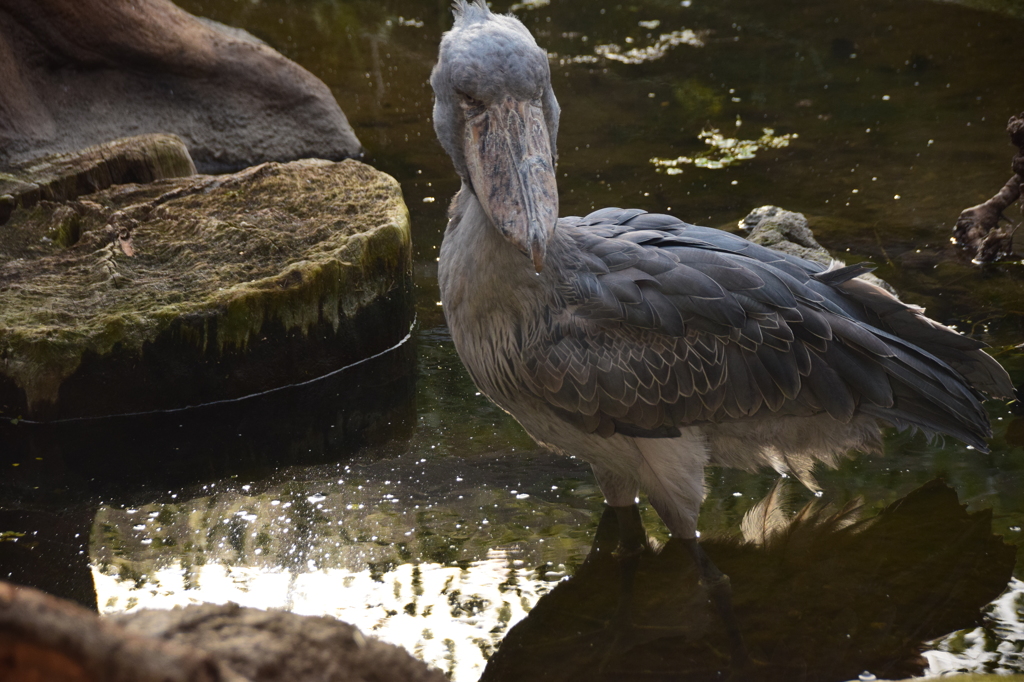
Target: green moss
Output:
[(67, 230), (217, 259)]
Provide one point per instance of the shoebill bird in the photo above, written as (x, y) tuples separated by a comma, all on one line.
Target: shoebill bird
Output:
[(651, 348)]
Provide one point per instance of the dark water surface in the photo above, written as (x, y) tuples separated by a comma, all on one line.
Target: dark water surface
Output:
[(395, 497)]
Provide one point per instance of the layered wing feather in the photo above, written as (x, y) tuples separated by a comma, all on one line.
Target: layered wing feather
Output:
[(666, 324)]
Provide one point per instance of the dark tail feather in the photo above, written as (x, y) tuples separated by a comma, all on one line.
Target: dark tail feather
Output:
[(836, 276), (931, 422), (921, 401), (980, 370)]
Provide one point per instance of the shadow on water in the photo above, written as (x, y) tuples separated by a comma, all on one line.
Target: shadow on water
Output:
[(823, 598)]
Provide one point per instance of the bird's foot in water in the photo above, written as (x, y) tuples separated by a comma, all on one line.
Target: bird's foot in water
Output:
[(633, 539), (717, 584), (719, 589)]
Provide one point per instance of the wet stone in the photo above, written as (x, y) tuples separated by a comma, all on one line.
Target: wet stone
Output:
[(181, 291), (784, 231), (790, 232)]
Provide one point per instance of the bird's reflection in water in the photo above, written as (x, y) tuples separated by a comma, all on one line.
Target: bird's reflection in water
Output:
[(821, 595)]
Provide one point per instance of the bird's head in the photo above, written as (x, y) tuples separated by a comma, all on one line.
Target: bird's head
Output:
[(497, 117)]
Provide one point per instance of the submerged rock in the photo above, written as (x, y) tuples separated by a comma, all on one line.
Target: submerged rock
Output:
[(789, 232), (191, 290), (784, 231), (77, 73)]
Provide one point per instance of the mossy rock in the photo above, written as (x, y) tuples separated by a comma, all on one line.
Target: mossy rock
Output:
[(60, 177), (185, 291)]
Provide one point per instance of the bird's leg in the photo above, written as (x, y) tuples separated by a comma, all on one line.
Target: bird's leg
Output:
[(621, 525), (620, 493), (614, 522), (632, 534), (672, 473)]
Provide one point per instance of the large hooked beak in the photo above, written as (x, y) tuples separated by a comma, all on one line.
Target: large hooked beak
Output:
[(511, 166)]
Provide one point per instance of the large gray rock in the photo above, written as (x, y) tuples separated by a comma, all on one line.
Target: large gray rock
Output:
[(45, 638), (76, 73), (190, 290), (275, 646)]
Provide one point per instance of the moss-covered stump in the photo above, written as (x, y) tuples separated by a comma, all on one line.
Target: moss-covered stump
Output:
[(180, 292), (59, 177)]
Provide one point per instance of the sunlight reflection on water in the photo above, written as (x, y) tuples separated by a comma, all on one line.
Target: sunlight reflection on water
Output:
[(451, 617), (997, 647)]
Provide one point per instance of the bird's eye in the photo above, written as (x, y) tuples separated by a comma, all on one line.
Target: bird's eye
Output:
[(470, 105)]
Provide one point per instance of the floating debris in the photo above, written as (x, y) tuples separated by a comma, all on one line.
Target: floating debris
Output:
[(664, 43), (529, 4), (725, 151)]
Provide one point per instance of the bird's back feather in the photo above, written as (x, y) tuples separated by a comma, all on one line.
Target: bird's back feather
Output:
[(666, 325)]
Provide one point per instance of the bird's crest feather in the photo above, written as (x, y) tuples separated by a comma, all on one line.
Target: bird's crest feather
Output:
[(466, 11)]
